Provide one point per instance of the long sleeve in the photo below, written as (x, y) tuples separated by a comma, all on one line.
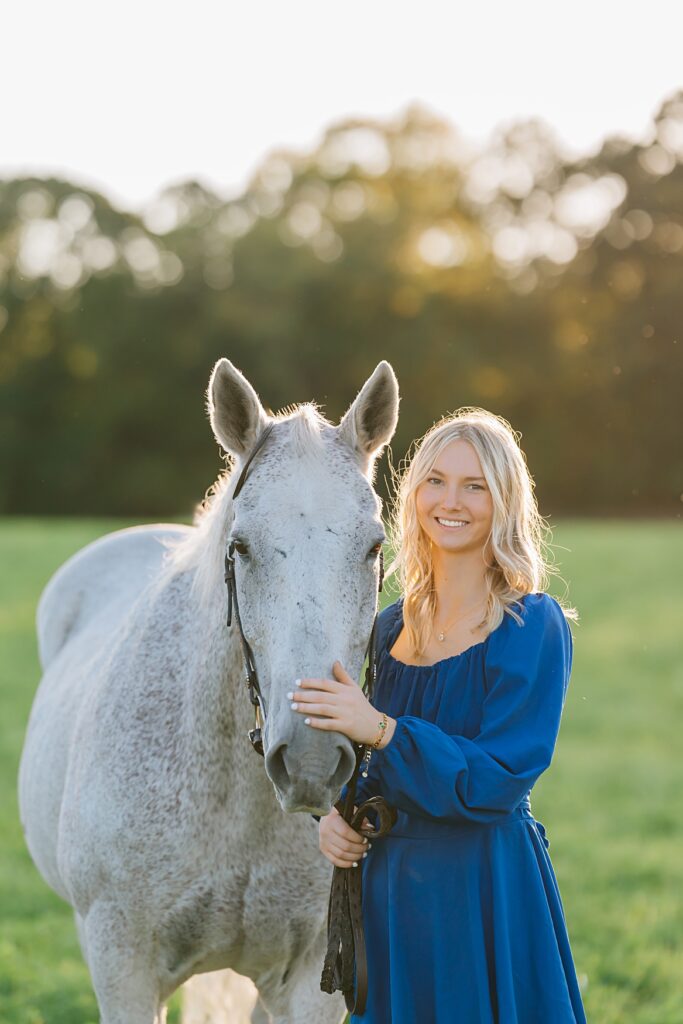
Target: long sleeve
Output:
[(425, 771)]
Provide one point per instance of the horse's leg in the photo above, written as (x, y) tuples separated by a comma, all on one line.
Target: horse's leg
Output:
[(122, 975), (302, 1000)]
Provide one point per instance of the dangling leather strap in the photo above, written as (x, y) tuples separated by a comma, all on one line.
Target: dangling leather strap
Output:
[(345, 935)]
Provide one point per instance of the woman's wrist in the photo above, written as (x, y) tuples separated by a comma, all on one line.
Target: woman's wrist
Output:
[(387, 732)]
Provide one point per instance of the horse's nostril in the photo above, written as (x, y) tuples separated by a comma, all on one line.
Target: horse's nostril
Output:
[(283, 768), (277, 769), (345, 765)]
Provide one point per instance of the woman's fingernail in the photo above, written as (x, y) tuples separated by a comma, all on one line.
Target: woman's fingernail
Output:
[(290, 695), (365, 839), (365, 854), (297, 682), (355, 863), (294, 706), (307, 721)]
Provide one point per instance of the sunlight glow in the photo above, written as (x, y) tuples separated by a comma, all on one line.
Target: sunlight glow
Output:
[(443, 246), (236, 220), (304, 220), (348, 201), (668, 235), (40, 243), (360, 147), (627, 278), (76, 211), (66, 271), (670, 134), (276, 174), (99, 253), (585, 205), (35, 203), (657, 160)]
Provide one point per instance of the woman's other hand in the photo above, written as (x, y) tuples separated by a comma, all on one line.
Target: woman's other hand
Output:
[(340, 843)]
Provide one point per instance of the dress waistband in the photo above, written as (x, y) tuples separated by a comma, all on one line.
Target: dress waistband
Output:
[(412, 826)]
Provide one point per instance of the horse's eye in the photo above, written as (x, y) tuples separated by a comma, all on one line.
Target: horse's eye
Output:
[(375, 550), (241, 548)]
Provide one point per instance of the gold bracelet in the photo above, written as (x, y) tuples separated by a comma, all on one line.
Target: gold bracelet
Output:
[(382, 730)]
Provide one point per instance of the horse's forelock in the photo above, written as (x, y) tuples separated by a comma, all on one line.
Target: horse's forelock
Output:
[(307, 428)]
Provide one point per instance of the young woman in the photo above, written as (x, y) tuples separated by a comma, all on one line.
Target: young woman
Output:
[(462, 913)]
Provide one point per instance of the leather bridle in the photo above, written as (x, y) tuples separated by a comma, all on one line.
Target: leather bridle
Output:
[(255, 695), (346, 940)]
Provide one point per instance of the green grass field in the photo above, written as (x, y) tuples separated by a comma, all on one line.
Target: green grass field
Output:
[(612, 802)]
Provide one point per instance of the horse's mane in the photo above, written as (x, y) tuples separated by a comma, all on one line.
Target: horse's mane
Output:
[(202, 549)]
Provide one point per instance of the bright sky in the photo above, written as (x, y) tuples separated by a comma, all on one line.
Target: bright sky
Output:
[(138, 94)]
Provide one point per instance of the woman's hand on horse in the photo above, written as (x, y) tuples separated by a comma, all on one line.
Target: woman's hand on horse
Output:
[(339, 705), (340, 843)]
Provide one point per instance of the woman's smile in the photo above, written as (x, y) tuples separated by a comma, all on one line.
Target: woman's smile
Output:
[(454, 498)]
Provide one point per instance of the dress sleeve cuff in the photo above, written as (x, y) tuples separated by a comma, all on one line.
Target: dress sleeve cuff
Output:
[(394, 742)]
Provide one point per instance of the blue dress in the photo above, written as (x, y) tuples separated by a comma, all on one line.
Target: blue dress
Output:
[(462, 913)]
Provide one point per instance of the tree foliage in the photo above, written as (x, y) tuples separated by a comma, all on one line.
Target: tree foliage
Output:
[(543, 289)]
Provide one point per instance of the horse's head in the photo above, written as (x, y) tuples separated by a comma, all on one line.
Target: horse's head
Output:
[(307, 524)]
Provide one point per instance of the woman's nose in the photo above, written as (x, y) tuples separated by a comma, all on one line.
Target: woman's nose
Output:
[(453, 501)]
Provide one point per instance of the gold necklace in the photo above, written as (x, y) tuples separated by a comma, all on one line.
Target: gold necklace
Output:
[(442, 634)]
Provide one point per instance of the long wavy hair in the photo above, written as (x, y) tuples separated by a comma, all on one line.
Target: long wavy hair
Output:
[(516, 550)]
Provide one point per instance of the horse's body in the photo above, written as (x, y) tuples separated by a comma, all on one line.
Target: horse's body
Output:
[(143, 803)]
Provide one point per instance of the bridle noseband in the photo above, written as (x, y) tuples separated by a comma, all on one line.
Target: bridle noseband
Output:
[(345, 936)]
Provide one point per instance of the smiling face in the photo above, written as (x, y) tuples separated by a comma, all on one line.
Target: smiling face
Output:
[(454, 504)]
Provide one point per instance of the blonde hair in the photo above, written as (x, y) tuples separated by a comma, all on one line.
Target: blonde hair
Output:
[(515, 551)]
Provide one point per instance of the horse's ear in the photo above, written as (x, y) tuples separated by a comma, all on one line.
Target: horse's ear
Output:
[(370, 421), (236, 414)]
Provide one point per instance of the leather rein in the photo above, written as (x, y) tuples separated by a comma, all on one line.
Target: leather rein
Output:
[(345, 936)]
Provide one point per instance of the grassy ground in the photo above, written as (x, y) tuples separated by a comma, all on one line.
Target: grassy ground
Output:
[(612, 802)]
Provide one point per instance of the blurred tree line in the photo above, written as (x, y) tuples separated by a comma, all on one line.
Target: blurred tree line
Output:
[(545, 289)]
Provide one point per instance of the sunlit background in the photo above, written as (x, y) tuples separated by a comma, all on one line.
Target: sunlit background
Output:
[(156, 93), (492, 200), (490, 197)]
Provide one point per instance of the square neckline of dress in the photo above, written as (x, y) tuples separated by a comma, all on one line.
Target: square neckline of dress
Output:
[(394, 635)]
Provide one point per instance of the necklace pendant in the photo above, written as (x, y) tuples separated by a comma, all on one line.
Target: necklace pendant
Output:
[(442, 636)]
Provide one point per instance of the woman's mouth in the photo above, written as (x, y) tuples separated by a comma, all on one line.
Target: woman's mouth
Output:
[(452, 524)]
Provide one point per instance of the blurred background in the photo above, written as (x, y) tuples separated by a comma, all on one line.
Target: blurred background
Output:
[(490, 199), (506, 269)]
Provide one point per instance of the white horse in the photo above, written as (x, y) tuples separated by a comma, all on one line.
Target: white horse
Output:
[(142, 801)]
